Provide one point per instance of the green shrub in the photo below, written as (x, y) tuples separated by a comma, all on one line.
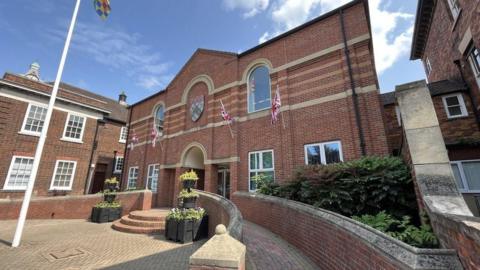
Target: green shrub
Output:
[(422, 237), (364, 186), (186, 214)]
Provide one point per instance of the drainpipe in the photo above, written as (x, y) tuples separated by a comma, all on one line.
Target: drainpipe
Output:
[(469, 92), (94, 147), (352, 85)]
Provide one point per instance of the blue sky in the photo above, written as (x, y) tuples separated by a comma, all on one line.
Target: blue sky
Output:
[(143, 44)]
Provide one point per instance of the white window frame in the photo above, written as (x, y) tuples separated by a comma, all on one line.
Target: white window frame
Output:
[(465, 189), (461, 102), (80, 140), (150, 178), (52, 187), (29, 132), (115, 169), (129, 177), (455, 9), (5, 185), (248, 88), (123, 134), (428, 66), (160, 132), (260, 163), (473, 63), (322, 151)]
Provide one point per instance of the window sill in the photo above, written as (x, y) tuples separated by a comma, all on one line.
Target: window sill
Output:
[(71, 140), (13, 190), (29, 133), (452, 118), (117, 172), (122, 141), (59, 189), (469, 191)]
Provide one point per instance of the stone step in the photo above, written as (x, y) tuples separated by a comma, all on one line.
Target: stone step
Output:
[(117, 225), (127, 220), (150, 215)]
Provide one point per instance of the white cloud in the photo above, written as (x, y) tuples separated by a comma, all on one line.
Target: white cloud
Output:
[(385, 25), (120, 51), (250, 7), (390, 40)]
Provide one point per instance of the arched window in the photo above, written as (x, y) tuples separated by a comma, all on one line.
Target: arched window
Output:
[(159, 117), (259, 89)]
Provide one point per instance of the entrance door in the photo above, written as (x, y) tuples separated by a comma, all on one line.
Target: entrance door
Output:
[(99, 178), (223, 185)]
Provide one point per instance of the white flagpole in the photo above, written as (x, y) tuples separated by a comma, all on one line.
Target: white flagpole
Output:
[(43, 135)]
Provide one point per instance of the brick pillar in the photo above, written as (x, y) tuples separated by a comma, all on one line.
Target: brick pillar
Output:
[(234, 172), (211, 178), (164, 188), (177, 186)]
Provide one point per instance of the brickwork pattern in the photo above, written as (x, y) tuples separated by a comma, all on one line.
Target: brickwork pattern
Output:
[(324, 77), (444, 37), (72, 207)]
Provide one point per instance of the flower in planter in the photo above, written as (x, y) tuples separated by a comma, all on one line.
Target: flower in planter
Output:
[(186, 214), (185, 194), (104, 204), (189, 176)]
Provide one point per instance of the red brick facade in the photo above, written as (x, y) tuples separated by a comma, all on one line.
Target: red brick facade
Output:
[(309, 67), (16, 93)]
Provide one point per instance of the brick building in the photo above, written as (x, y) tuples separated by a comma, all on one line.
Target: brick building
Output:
[(331, 110), (447, 40), (85, 142)]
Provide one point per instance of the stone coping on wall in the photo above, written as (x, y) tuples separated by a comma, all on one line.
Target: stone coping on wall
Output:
[(70, 197), (235, 223), (404, 255)]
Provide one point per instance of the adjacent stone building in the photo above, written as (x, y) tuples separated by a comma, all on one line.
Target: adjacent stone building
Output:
[(447, 40), (85, 142), (331, 111)]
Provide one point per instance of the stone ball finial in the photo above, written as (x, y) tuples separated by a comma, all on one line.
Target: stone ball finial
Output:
[(220, 229)]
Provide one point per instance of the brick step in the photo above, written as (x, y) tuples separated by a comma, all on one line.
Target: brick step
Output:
[(117, 225), (150, 215), (142, 223)]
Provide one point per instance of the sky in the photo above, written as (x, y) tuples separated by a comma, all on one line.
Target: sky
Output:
[(143, 44)]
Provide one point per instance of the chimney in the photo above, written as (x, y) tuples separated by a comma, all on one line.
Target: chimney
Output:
[(34, 72), (122, 98)]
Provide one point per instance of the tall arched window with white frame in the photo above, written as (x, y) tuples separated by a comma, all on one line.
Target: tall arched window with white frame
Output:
[(159, 119), (259, 93)]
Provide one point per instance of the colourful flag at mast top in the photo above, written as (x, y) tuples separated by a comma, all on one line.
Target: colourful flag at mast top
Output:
[(102, 7)]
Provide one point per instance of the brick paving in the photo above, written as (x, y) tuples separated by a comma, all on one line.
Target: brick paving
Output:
[(267, 251), (79, 244)]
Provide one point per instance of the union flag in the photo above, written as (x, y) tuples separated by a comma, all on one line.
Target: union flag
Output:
[(102, 7)]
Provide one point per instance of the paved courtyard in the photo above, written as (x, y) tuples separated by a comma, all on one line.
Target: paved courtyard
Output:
[(77, 244)]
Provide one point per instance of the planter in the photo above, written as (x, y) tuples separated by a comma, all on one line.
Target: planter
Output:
[(109, 197), (185, 231), (111, 187), (102, 215), (189, 184), (171, 229), (189, 202)]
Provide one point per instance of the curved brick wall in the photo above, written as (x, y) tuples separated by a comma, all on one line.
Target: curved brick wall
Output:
[(333, 241), (221, 211), (72, 207)]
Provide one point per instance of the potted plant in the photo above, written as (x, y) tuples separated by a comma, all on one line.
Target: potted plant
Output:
[(189, 179), (111, 183), (106, 212), (186, 225), (188, 198)]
